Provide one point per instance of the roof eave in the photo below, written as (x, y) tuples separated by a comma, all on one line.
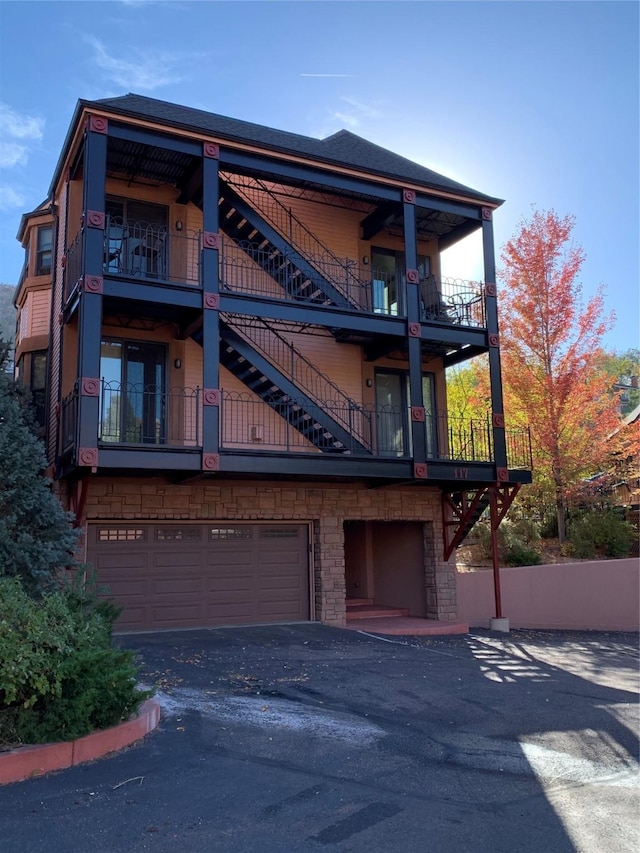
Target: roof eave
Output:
[(113, 110)]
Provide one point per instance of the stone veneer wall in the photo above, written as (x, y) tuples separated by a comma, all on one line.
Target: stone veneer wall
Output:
[(326, 506)]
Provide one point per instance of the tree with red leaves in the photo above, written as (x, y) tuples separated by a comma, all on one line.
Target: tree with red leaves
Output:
[(552, 364)]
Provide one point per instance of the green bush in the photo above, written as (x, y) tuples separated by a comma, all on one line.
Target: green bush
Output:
[(515, 542), (600, 533), (60, 676), (519, 554)]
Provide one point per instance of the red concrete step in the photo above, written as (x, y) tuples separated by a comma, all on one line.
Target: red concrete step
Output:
[(359, 602), (408, 626), (376, 611)]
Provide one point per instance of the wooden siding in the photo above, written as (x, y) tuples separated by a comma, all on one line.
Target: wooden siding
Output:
[(55, 351)]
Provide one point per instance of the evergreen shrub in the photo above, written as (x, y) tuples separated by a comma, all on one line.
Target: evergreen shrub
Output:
[(60, 675)]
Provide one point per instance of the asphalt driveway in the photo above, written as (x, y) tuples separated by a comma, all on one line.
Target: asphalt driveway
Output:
[(307, 738)]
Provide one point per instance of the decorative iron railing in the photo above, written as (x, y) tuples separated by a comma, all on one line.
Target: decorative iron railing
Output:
[(68, 420), (284, 424), (460, 439), (291, 427), (337, 271), (72, 264), (249, 268), (303, 373), (149, 415), (452, 300), (471, 440), (519, 453), (148, 251)]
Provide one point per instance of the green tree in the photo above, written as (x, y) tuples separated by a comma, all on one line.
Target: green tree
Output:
[(36, 538)]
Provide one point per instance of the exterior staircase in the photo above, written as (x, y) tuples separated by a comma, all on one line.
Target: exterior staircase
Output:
[(271, 251), (364, 608), (365, 616), (312, 419)]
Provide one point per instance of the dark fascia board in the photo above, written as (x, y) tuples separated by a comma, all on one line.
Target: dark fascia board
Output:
[(122, 110), (24, 219)]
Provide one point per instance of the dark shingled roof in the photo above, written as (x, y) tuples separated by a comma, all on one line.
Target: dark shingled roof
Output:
[(342, 148)]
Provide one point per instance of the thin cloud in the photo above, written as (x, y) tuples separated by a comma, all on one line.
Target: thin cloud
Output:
[(326, 75), (19, 126), (356, 112), (10, 198), (13, 154), (18, 131), (362, 109), (147, 71)]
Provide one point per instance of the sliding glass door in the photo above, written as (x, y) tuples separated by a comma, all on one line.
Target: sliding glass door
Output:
[(393, 410), (132, 400)]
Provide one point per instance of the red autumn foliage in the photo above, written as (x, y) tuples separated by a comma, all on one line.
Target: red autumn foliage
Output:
[(551, 354)]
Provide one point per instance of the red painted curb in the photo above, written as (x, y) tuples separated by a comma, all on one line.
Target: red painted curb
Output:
[(27, 762)]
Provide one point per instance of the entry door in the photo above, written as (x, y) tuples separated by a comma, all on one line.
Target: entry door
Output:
[(132, 402), (388, 279), (136, 238), (394, 413), (385, 281), (391, 404)]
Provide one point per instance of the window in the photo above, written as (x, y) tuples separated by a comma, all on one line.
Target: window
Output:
[(43, 256), (132, 399)]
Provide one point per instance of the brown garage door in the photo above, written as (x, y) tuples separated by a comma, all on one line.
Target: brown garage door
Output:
[(197, 575)]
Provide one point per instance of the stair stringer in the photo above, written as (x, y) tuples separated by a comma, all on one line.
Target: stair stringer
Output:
[(344, 441)]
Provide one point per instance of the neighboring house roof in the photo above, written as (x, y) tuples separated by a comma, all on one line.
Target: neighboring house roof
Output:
[(341, 148)]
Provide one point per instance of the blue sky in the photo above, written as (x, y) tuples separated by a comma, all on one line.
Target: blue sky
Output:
[(533, 102)]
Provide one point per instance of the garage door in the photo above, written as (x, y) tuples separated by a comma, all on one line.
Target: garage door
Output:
[(197, 575)]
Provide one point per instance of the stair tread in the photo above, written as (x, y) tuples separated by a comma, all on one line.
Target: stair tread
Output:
[(376, 611)]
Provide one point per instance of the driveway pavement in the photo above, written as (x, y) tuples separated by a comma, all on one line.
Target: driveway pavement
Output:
[(307, 738)]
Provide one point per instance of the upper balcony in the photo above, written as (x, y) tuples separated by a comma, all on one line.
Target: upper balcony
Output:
[(144, 253)]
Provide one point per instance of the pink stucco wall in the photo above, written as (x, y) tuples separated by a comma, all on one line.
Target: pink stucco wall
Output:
[(598, 596)]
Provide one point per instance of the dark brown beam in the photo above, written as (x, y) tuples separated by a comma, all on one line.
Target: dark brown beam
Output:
[(378, 220)]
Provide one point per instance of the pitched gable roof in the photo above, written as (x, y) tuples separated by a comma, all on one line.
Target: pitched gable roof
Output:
[(341, 148)]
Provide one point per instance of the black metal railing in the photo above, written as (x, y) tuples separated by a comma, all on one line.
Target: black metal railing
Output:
[(452, 300), (150, 415), (284, 424), (303, 373), (250, 268), (519, 453), (148, 251), (72, 264), (461, 439), (337, 271), (68, 420)]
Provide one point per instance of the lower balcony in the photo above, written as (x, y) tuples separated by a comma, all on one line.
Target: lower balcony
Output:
[(147, 427)]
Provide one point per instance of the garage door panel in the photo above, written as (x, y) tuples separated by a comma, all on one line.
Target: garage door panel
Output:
[(204, 574), (223, 558), (240, 585), (115, 562), (176, 586), (171, 562)]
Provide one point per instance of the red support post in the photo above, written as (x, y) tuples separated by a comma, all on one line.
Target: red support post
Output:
[(494, 523)]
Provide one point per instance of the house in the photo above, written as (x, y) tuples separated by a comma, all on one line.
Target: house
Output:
[(243, 335)]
